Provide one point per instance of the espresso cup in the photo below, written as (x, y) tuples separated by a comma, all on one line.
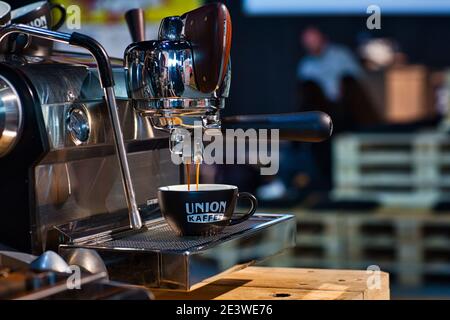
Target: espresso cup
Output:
[(5, 13), (39, 15), (5, 19), (204, 212)]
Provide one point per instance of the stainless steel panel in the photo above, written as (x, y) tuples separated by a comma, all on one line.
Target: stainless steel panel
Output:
[(80, 180), (159, 258), (76, 190), (135, 127)]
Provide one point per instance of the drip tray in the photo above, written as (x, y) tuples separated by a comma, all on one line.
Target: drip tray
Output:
[(157, 257), (160, 237)]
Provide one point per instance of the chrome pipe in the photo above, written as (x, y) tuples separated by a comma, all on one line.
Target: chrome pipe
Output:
[(135, 218), (35, 32)]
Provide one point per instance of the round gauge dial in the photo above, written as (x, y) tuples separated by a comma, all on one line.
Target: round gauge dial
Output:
[(78, 124)]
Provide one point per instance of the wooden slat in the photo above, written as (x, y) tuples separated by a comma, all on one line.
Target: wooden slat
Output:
[(287, 283), (219, 292)]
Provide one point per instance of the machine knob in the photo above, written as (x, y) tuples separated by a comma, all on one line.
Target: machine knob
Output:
[(78, 125)]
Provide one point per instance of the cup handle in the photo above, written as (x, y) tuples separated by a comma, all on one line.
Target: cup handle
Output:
[(250, 212), (63, 15)]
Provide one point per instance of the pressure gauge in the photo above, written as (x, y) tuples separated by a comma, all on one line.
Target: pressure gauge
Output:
[(78, 124)]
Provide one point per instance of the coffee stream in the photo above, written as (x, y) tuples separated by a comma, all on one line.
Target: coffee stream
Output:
[(197, 174), (188, 175)]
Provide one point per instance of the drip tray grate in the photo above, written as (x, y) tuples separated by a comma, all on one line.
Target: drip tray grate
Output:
[(157, 257), (160, 237)]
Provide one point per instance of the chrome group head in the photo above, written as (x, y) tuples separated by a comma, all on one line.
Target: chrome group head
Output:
[(162, 81)]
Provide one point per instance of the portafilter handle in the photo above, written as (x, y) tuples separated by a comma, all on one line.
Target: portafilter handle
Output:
[(107, 83), (314, 126)]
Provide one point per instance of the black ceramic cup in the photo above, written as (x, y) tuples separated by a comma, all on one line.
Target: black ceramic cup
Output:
[(5, 13), (204, 212), (39, 15), (5, 18)]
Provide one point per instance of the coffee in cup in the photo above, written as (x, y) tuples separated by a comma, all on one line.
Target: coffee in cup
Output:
[(204, 212)]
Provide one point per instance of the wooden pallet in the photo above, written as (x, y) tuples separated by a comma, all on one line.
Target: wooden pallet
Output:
[(390, 242), (316, 244), (413, 246), (393, 169)]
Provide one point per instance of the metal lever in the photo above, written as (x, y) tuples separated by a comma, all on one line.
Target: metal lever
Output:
[(107, 83), (136, 24)]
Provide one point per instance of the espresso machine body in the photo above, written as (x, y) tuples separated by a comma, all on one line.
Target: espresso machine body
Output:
[(61, 186), (61, 166), (85, 143)]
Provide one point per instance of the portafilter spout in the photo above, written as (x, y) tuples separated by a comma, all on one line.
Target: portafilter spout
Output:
[(107, 83)]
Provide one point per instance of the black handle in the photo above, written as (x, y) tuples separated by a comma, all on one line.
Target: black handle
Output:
[(136, 24), (314, 126), (250, 212), (62, 19)]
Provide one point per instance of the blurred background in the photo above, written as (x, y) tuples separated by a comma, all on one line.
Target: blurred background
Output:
[(377, 193)]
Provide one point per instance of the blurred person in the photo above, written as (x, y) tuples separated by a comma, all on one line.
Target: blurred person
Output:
[(326, 63), (330, 79)]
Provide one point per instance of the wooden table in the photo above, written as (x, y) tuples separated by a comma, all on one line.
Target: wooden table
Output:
[(255, 283)]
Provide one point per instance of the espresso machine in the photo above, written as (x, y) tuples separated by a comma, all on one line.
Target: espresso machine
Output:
[(86, 140)]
